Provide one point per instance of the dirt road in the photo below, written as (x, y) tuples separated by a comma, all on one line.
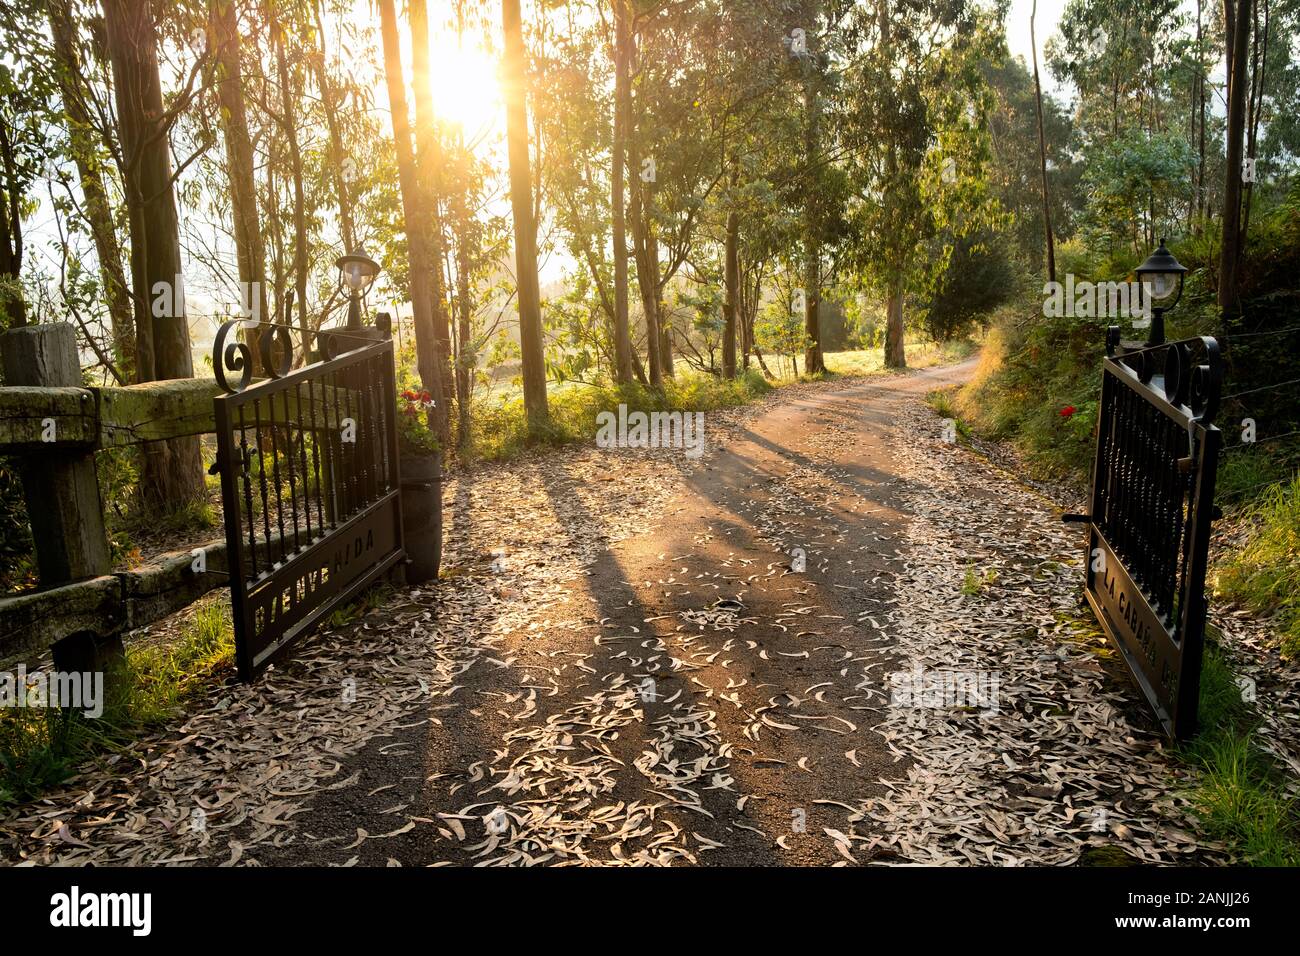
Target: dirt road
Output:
[(835, 638)]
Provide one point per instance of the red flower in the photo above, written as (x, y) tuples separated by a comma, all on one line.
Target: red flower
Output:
[(424, 396), (1067, 411), (408, 395)]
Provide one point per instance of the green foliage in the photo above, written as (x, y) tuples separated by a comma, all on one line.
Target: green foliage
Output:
[(1264, 574), (501, 430), (780, 331), (39, 748), (1038, 386), (1015, 176), (17, 568), (978, 278), (1129, 183), (1240, 795)]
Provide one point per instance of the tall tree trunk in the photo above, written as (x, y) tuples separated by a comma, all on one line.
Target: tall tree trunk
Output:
[(289, 119), (618, 152), (521, 202), (1231, 246), (666, 345), (250, 252), (86, 150), (812, 265), (645, 243), (731, 281), (337, 155), (13, 306), (1042, 151), (423, 265), (894, 354), (1200, 122), (464, 307), (172, 471), (1254, 103), (428, 160)]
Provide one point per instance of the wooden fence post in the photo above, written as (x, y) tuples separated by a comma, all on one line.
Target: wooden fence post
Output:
[(60, 486)]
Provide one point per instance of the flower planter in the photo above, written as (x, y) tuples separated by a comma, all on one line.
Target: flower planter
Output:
[(422, 515)]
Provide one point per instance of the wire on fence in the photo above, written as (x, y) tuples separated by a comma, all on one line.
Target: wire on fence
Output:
[(1259, 441), (1262, 388), (1229, 336)]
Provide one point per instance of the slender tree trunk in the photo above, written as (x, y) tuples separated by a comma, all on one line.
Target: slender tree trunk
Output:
[(300, 263), (622, 93), (464, 309), (337, 156), (894, 354), (1200, 121), (99, 217), (428, 159), (521, 201), (647, 274), (172, 472), (1231, 245), (422, 264), (12, 304), (1042, 151), (813, 361), (646, 246), (1254, 103), (731, 283), (250, 252)]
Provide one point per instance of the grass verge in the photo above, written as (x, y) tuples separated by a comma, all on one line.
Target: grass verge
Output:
[(500, 429), (1241, 796), (1264, 574), (42, 746)]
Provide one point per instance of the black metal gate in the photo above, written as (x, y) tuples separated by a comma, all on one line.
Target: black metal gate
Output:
[(1151, 509), (309, 483)]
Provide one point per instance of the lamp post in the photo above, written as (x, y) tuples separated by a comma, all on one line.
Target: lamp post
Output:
[(357, 272), (1161, 280)]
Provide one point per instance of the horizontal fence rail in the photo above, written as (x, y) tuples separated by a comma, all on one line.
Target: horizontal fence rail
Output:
[(53, 426)]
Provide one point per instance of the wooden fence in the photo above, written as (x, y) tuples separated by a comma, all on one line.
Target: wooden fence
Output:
[(53, 426)]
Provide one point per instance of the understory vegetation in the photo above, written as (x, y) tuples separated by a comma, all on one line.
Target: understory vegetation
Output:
[(1242, 793), (500, 427), (42, 746)]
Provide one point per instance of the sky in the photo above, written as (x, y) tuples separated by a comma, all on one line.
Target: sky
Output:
[(465, 87), (1049, 15)]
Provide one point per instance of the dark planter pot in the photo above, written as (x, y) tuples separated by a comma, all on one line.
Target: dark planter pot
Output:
[(422, 515)]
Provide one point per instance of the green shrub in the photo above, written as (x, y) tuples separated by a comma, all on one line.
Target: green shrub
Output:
[(1264, 575), (1241, 795), (40, 747), (501, 428)]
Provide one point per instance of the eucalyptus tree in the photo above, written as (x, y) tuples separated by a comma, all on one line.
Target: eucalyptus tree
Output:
[(82, 109), (416, 200), (516, 87), (915, 116), (172, 471), (26, 90)]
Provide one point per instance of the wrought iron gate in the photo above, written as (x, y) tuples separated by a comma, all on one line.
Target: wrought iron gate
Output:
[(1151, 508), (309, 484)]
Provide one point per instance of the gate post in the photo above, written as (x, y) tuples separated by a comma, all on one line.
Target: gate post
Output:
[(60, 486)]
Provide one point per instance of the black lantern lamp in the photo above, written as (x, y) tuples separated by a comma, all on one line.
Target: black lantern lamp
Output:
[(1161, 280), (357, 272)]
